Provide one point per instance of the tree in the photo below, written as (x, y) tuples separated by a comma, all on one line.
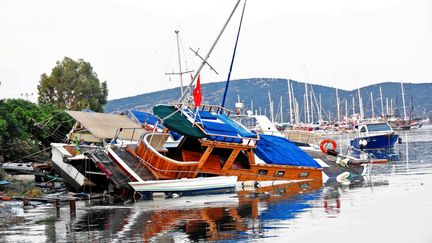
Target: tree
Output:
[(27, 129), (73, 85)]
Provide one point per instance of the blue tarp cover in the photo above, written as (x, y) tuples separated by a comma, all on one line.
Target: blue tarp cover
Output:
[(145, 117), (221, 124), (279, 150)]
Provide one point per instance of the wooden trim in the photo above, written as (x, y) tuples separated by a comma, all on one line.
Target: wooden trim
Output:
[(203, 159), (230, 160)]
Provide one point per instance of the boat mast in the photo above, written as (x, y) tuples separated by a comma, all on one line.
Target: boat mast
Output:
[(294, 100), (311, 105), (353, 105), (208, 54), (320, 109), (307, 104), (281, 111), (180, 73), (372, 103), (403, 102), (387, 107), (360, 105), (290, 103), (382, 103), (337, 105), (346, 109), (233, 56), (271, 107)]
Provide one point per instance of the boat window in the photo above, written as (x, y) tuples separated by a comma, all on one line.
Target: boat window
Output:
[(304, 186), (363, 129), (378, 127), (262, 172), (303, 174), (19, 164), (280, 173)]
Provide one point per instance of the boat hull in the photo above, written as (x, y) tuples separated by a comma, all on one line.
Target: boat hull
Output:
[(186, 185), (376, 142)]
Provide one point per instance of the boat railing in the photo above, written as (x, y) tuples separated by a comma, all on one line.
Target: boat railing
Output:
[(134, 132), (233, 139), (164, 166), (303, 137), (210, 108)]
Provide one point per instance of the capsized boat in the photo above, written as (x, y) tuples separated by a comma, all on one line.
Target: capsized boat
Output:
[(375, 136), (215, 145)]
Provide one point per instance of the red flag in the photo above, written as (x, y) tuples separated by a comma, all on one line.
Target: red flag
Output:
[(197, 92)]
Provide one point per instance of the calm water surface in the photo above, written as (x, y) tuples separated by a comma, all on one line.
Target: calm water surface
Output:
[(391, 204)]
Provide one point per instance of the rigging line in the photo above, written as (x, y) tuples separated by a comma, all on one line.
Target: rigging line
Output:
[(208, 54), (184, 54), (233, 56), (43, 150)]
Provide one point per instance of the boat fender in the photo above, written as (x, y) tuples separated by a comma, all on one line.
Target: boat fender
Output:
[(342, 162), (343, 177), (399, 140), (250, 184), (325, 142)]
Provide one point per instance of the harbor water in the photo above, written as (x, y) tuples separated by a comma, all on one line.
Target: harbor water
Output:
[(391, 203)]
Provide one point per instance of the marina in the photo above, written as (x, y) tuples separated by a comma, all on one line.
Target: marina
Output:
[(290, 212), (257, 157)]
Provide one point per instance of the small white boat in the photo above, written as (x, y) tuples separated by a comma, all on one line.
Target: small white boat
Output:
[(186, 185), (18, 168)]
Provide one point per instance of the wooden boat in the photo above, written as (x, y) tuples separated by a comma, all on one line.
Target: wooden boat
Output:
[(201, 152), (309, 142)]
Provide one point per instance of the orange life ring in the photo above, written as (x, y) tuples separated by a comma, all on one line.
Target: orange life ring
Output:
[(325, 142)]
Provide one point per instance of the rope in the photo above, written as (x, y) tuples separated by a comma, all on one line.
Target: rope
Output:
[(30, 155)]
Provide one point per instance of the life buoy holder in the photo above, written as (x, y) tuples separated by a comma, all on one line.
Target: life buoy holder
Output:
[(325, 142)]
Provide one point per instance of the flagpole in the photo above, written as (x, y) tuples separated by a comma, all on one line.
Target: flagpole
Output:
[(208, 54)]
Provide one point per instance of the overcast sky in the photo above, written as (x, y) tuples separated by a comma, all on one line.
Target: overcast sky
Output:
[(131, 44)]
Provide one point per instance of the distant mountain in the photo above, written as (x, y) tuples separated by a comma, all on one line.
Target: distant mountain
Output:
[(254, 92)]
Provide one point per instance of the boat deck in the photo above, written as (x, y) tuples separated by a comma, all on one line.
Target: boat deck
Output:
[(118, 177), (134, 163)]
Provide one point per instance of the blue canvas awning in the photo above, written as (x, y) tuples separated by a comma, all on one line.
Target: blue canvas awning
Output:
[(221, 124), (279, 150)]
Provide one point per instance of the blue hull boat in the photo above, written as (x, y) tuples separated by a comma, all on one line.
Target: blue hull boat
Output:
[(375, 136), (376, 142)]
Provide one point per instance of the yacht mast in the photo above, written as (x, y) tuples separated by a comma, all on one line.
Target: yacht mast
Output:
[(307, 104), (337, 105), (346, 109), (360, 105), (311, 105), (281, 111), (294, 100), (290, 103), (208, 54), (180, 73), (271, 107), (372, 103), (382, 103), (403, 102), (387, 107)]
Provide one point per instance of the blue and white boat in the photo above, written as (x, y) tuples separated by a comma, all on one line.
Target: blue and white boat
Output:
[(375, 136)]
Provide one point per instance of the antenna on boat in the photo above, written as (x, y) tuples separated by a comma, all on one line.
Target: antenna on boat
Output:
[(180, 73), (233, 57), (208, 54), (202, 59)]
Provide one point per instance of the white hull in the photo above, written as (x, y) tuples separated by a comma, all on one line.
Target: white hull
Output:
[(185, 184)]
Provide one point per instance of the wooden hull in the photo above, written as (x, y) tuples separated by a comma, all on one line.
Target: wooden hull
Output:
[(194, 163)]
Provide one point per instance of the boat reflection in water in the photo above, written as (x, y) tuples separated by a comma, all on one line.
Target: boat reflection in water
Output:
[(245, 214)]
